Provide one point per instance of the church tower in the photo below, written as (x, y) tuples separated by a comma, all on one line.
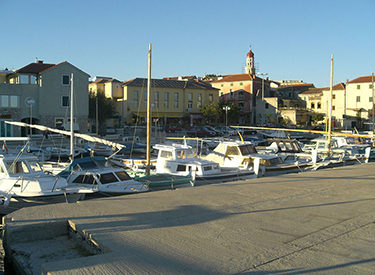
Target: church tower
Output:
[(250, 66)]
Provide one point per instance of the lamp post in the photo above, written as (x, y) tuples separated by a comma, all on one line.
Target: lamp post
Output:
[(263, 75), (226, 108)]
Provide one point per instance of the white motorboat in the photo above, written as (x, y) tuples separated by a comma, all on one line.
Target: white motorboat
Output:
[(243, 155), (180, 159), (23, 183), (98, 173), (337, 155)]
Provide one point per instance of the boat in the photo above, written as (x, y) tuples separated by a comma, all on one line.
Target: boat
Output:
[(290, 151), (96, 171), (243, 155), (180, 159), (335, 154), (23, 183)]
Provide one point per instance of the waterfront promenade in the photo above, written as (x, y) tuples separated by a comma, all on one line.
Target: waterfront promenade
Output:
[(319, 222)]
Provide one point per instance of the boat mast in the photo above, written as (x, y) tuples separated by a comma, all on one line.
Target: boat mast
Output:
[(148, 112), (71, 119), (330, 109)]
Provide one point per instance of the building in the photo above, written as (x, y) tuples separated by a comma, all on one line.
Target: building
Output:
[(40, 93), (359, 102), (171, 100), (247, 92)]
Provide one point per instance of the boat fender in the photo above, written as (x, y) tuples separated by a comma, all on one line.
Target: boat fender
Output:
[(135, 167)]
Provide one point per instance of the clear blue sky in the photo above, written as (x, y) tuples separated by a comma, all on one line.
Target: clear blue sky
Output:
[(291, 39)]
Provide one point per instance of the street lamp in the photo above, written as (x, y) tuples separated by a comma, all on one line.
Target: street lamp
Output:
[(263, 75), (226, 108)]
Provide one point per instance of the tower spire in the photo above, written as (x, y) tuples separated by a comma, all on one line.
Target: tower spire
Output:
[(250, 65)]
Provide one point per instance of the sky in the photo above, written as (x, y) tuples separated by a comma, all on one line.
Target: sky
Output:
[(291, 39)]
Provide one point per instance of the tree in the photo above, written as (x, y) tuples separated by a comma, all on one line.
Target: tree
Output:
[(317, 117), (106, 107), (211, 111), (233, 112)]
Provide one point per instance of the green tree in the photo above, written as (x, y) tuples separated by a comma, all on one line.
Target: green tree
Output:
[(106, 107), (317, 117), (211, 111), (233, 112)]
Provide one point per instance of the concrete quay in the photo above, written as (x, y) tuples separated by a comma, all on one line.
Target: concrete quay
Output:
[(319, 222)]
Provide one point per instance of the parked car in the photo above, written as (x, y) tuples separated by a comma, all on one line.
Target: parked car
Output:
[(199, 131), (218, 133), (226, 130), (172, 129)]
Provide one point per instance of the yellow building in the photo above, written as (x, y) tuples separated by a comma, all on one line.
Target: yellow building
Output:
[(170, 100)]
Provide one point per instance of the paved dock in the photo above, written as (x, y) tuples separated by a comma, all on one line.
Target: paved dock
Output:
[(319, 222)]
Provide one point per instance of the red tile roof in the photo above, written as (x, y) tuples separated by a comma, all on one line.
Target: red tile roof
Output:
[(235, 77), (362, 79), (340, 86), (35, 68)]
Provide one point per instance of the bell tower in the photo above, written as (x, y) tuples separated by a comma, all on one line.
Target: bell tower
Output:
[(250, 65)]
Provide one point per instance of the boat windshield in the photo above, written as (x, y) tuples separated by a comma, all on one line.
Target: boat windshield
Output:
[(185, 154), (247, 150), (18, 167), (35, 166)]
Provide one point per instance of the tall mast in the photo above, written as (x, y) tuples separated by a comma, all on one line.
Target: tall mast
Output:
[(148, 112), (71, 119), (330, 109)]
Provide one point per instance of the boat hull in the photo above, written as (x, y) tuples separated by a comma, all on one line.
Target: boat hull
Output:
[(18, 202)]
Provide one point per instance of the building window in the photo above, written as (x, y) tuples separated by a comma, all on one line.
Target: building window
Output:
[(358, 99), (166, 104), (9, 101), (370, 86), (190, 105), (370, 99), (231, 84), (166, 96), (221, 93), (199, 97), (156, 95), (358, 87), (333, 108), (319, 105), (190, 96), (65, 101), (333, 96), (199, 104), (135, 95), (231, 94), (240, 95), (175, 105), (24, 79), (145, 103), (241, 83), (210, 98), (266, 105), (135, 103), (240, 104), (156, 103), (65, 80), (13, 101), (312, 105)]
